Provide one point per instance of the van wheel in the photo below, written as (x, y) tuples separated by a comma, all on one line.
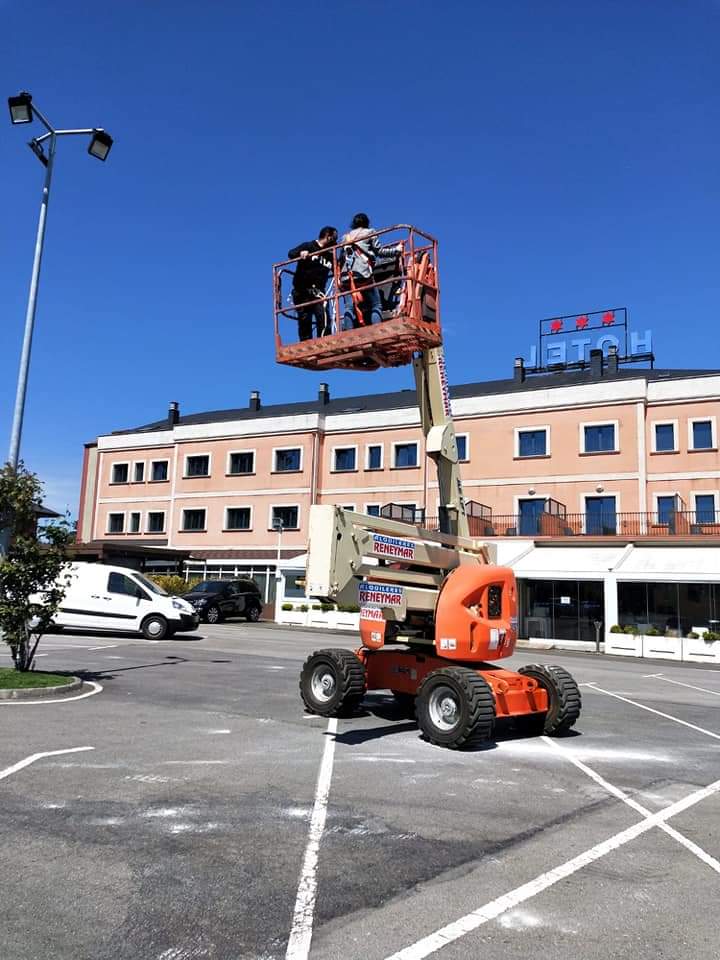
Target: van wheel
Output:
[(154, 627)]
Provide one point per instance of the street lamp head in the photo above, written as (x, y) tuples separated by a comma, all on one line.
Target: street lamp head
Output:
[(100, 144), (21, 108)]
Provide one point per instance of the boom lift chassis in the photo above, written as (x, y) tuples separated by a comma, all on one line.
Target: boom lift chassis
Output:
[(434, 609)]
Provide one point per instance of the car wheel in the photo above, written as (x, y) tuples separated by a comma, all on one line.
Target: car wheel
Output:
[(213, 615), (154, 627), (253, 613)]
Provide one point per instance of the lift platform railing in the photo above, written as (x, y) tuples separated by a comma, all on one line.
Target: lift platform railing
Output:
[(407, 282)]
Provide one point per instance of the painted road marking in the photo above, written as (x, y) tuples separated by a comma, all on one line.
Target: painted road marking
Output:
[(298, 947), (97, 687), (105, 646), (8, 771), (490, 911), (638, 807), (678, 683), (658, 713)]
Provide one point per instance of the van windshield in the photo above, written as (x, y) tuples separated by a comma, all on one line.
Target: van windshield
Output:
[(152, 587)]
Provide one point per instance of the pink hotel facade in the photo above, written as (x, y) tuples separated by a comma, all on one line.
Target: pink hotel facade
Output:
[(617, 452)]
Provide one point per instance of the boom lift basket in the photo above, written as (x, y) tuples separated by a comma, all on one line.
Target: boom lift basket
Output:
[(407, 281)]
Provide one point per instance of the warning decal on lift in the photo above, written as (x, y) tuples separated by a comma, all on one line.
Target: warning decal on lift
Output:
[(384, 594), (393, 547)]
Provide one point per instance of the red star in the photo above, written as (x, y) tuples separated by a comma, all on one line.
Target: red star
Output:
[(608, 318), (556, 326), (581, 322)]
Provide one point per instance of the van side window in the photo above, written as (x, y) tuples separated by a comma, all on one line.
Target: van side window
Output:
[(119, 583)]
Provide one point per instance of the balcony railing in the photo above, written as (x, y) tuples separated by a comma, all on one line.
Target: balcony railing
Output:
[(683, 523)]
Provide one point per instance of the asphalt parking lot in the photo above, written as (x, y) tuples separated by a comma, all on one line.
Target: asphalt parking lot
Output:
[(188, 808)]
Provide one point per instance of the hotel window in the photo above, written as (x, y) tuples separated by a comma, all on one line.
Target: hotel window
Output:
[(705, 508), (532, 443), (120, 473), (241, 462), (701, 433), (599, 438), (405, 455), (665, 438), (134, 523), (237, 518), (156, 521), (344, 459), (159, 470), (372, 509), (193, 520), (374, 457), (197, 465), (462, 446), (139, 472), (116, 523), (288, 460), (349, 506), (288, 516), (666, 508)]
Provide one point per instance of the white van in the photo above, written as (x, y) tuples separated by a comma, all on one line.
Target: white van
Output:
[(101, 597)]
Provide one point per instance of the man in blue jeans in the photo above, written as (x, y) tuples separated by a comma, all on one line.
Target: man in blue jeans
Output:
[(362, 250)]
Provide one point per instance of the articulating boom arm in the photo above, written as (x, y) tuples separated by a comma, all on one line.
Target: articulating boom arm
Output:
[(436, 419)]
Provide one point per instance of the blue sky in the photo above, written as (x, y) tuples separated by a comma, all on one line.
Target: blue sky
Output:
[(566, 155)]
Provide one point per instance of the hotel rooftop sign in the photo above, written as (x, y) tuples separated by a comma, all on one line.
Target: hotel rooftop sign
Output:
[(569, 340)]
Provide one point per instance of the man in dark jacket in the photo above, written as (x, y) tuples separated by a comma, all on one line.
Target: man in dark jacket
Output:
[(311, 275)]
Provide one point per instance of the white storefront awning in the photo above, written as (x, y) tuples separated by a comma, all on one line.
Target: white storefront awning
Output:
[(689, 564), (568, 562)]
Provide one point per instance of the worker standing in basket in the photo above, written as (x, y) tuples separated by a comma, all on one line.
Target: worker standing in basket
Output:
[(362, 250), (309, 282)]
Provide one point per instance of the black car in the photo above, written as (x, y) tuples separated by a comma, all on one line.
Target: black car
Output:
[(216, 599)]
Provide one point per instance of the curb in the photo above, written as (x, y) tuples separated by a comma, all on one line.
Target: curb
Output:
[(40, 693)]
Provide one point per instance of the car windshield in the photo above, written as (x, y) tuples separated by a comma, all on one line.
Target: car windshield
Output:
[(207, 586), (152, 587)]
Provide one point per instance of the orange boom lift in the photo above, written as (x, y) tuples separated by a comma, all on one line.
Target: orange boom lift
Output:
[(434, 609)]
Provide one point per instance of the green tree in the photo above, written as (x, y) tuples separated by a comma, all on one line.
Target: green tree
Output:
[(32, 565)]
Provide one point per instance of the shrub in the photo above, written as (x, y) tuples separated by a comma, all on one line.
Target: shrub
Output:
[(327, 607), (348, 608), (652, 632), (631, 628), (616, 628), (304, 608), (710, 636), (316, 606), (692, 635), (173, 583), (286, 606)]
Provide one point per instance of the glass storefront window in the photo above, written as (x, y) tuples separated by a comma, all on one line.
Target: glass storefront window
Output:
[(672, 608), (560, 609)]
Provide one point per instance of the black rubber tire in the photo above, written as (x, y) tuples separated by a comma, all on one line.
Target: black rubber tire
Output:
[(155, 627), (475, 703), (405, 702), (212, 614), (565, 700), (345, 678), (253, 613)]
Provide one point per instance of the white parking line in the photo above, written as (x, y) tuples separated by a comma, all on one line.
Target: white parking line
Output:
[(490, 911), (21, 764), (41, 703), (678, 683), (298, 947), (638, 807), (659, 713), (105, 646)]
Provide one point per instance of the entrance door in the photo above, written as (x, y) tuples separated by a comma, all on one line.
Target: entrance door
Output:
[(600, 515), (529, 519)]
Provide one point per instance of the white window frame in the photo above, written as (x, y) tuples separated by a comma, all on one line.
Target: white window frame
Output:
[(147, 521), (136, 463), (140, 521), (228, 473), (183, 529), (197, 476), (348, 506), (615, 424), (367, 456), (715, 494), (333, 454), (238, 506), (166, 461), (527, 429), (115, 513), (606, 493), (405, 443), (675, 424), (713, 429), (466, 458), (119, 463), (295, 446), (367, 512), (284, 505)]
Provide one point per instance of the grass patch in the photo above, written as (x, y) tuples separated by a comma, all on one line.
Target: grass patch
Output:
[(11, 679)]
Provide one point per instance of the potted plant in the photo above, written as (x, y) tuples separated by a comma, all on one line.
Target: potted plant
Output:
[(701, 646)]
